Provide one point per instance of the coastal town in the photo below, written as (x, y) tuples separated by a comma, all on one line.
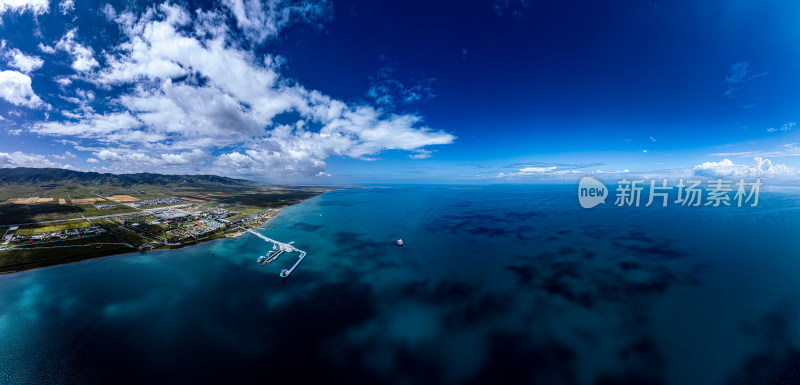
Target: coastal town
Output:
[(90, 219), (171, 226), (174, 222)]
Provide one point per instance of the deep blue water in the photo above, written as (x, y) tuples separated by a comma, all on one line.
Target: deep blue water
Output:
[(499, 284)]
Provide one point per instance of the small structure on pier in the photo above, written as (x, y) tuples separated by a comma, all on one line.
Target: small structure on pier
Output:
[(278, 249)]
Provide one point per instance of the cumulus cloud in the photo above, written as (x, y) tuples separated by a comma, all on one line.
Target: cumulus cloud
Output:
[(21, 159), (82, 56), (24, 63), (185, 85), (37, 7), (15, 87), (134, 159), (106, 127), (759, 168)]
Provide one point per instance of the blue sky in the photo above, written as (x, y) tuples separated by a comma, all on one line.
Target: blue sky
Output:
[(402, 91)]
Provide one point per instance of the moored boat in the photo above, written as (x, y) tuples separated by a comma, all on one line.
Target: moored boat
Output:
[(273, 255)]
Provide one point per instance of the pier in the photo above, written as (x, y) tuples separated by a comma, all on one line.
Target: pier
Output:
[(274, 256), (282, 247), (285, 272)]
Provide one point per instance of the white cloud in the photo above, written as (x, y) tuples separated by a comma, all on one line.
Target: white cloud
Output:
[(66, 6), (46, 49), (237, 161), (544, 171), (759, 168), (386, 91), (262, 20), (20, 159), (106, 127), (786, 127), (92, 160), (24, 63), (553, 171), (109, 12), (787, 149), (187, 86), (421, 154), (65, 156), (37, 7), (63, 81), (82, 56), (138, 159), (740, 72), (537, 170), (15, 87)]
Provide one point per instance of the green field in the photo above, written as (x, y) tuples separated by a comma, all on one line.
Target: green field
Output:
[(14, 213), (54, 227), (244, 212), (54, 253), (92, 211)]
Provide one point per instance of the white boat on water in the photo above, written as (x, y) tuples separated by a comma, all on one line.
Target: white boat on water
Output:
[(262, 259), (399, 242)]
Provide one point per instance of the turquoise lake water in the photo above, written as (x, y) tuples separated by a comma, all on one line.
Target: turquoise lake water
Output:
[(497, 284)]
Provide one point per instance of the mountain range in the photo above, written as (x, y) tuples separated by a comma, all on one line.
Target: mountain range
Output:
[(23, 175)]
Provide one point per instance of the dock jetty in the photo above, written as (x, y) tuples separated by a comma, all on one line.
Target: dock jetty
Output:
[(282, 248)]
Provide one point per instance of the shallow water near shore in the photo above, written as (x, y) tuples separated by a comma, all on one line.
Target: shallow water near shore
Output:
[(497, 284)]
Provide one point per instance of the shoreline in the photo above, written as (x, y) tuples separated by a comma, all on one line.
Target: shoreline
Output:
[(52, 262)]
